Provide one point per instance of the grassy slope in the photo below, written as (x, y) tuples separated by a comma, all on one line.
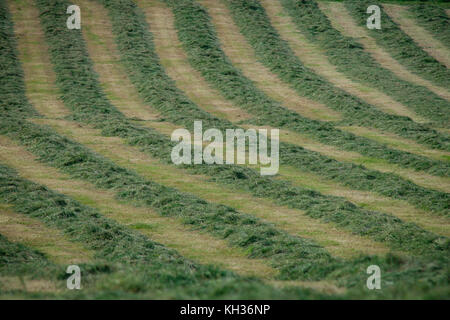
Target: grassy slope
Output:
[(70, 158)]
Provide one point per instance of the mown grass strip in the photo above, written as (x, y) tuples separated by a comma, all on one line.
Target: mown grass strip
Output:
[(421, 179), (368, 200), (350, 58), (434, 19), (399, 143), (32, 233), (400, 45), (16, 258), (263, 37), (112, 77), (341, 20)]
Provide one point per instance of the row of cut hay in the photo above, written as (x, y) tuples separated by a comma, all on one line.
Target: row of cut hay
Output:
[(31, 232)]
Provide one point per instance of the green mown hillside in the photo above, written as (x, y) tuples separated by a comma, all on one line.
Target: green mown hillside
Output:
[(87, 177)]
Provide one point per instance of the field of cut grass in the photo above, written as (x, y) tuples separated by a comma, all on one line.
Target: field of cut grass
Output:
[(87, 178)]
